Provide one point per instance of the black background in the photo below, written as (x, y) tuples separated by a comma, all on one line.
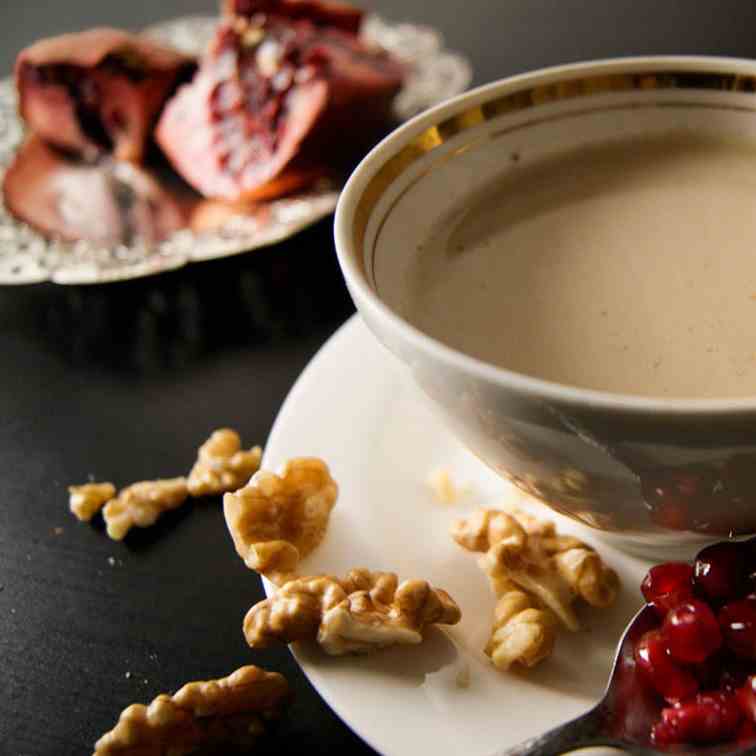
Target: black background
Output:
[(122, 382)]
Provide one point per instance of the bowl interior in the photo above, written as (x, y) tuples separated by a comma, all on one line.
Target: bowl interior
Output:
[(482, 149), (431, 172)]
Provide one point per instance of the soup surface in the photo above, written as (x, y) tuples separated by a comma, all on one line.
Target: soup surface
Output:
[(626, 267)]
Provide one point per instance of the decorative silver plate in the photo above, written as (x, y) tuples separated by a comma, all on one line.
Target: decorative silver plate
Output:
[(28, 257)]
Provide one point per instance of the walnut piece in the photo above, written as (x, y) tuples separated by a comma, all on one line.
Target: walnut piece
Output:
[(522, 632), (485, 527), (536, 574), (530, 553), (87, 500), (142, 503), (294, 612), (443, 486), (361, 623), (584, 571), (229, 712), (222, 465), (278, 519), (363, 612), (445, 489), (380, 585)]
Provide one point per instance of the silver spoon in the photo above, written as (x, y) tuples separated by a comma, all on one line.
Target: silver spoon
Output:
[(624, 715)]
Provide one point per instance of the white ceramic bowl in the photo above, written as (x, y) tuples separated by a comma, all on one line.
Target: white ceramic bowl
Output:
[(649, 473)]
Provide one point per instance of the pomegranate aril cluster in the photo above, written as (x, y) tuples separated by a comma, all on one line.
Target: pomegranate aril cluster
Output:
[(701, 659)]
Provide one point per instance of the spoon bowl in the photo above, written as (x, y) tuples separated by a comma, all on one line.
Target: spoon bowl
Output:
[(623, 717)]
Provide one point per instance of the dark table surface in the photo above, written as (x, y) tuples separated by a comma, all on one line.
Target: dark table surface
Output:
[(122, 382)]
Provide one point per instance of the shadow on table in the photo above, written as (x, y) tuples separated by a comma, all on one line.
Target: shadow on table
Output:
[(142, 539), (279, 293), (411, 664)]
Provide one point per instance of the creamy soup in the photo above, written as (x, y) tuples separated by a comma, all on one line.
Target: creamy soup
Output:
[(626, 267)]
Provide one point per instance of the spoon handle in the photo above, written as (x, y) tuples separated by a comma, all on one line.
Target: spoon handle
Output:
[(587, 730)]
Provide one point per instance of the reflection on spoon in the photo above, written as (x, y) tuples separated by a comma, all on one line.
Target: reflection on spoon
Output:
[(623, 717)]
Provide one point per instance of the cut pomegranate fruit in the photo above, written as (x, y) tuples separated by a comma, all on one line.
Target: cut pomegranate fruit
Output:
[(108, 203), (692, 632), (667, 585), (667, 678), (710, 718), (319, 12), (737, 621), (272, 96), (719, 570), (97, 91)]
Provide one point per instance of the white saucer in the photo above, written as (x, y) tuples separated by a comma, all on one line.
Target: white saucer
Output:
[(356, 407)]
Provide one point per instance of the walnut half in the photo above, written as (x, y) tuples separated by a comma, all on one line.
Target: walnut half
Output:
[(359, 614), (531, 554), (229, 712), (278, 519), (536, 574)]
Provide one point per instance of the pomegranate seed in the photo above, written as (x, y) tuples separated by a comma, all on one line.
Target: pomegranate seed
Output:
[(664, 734), (746, 732), (692, 632), (747, 698), (719, 570), (733, 675), (667, 585), (709, 672), (738, 623), (710, 718), (653, 659)]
